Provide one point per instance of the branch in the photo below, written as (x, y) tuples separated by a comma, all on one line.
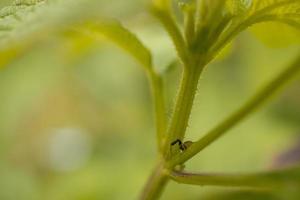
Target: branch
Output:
[(155, 184), (174, 32), (159, 107), (262, 180), (248, 108)]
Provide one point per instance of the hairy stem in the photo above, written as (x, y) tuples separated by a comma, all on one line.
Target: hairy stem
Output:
[(155, 184), (183, 105), (248, 108)]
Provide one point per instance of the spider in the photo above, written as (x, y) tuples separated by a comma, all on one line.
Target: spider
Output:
[(182, 146)]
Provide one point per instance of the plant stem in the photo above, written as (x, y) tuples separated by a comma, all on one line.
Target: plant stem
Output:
[(183, 105), (155, 184), (171, 27), (249, 107), (189, 22), (263, 180), (159, 107)]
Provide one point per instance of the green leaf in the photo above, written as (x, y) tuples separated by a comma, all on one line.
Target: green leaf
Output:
[(115, 32), (276, 35), (246, 13), (282, 11), (255, 11), (27, 2), (12, 39), (285, 11), (22, 22), (237, 7), (14, 15)]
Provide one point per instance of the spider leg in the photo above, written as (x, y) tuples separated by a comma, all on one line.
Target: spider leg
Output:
[(177, 141)]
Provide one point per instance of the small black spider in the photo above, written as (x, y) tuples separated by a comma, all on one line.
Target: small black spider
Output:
[(182, 146)]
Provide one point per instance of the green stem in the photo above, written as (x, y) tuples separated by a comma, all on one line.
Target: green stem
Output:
[(263, 180), (159, 107), (249, 107), (155, 184), (189, 22), (183, 105), (171, 27)]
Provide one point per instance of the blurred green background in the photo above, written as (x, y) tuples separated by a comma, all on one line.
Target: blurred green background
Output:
[(76, 116)]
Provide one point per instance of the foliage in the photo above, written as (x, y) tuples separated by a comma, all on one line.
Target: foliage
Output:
[(205, 29)]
